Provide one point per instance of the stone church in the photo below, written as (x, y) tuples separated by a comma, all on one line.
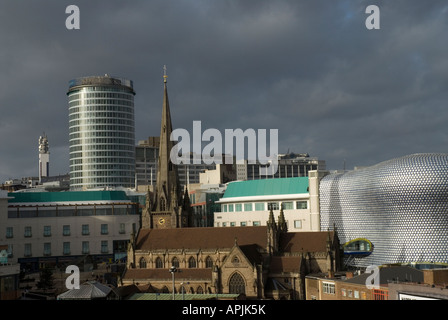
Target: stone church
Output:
[(257, 262)]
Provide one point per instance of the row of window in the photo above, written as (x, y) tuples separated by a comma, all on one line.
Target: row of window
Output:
[(101, 95), (102, 128), (97, 121), (73, 211), (110, 134), (102, 160), (97, 154), (104, 173), (124, 102), (378, 294), (100, 114), (264, 206), (111, 146), (192, 263), (66, 248), (297, 224), (102, 167), (85, 230)]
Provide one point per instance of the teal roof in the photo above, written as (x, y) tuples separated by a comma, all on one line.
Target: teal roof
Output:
[(265, 187), (73, 196)]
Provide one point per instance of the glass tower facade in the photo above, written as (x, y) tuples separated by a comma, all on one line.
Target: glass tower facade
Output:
[(102, 132), (399, 206)]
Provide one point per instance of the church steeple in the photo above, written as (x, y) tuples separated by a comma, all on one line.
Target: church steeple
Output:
[(167, 204)]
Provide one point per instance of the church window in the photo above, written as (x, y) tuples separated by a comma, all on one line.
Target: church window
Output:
[(235, 259), (208, 262), (142, 263), (159, 263), (236, 284), (175, 262), (192, 262), (199, 290)]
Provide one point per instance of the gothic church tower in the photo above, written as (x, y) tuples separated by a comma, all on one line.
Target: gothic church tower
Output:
[(168, 208)]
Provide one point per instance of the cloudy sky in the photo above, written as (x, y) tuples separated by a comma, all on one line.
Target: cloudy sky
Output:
[(310, 69)]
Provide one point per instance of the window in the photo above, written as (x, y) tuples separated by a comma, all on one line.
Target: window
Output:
[(104, 229), (328, 287), (47, 231), (248, 207), (259, 206), (302, 205), (230, 207), (27, 232), (66, 230), (356, 295), (350, 293), (298, 224), (192, 262), (273, 206), (85, 247), (142, 263), (363, 295), (343, 292), (66, 248), (104, 246), (238, 207), (122, 229), (175, 262), (208, 262), (9, 232), (287, 205), (224, 208), (27, 250), (159, 263), (256, 223), (85, 230), (243, 223), (47, 249), (380, 294), (232, 224), (236, 284)]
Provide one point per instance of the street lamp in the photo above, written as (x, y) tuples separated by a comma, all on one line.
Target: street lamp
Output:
[(183, 289), (173, 270)]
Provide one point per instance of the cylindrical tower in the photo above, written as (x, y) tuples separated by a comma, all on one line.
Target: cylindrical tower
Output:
[(102, 132), (44, 157)]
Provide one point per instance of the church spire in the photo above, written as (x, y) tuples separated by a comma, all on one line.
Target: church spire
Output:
[(167, 204), (167, 179)]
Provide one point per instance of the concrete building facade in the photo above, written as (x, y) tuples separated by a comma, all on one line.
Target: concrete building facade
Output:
[(48, 228)]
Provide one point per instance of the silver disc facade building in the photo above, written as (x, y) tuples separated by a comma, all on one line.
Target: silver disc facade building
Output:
[(392, 212), (102, 132)]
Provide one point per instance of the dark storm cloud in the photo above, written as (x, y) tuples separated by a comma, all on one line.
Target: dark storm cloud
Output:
[(308, 68)]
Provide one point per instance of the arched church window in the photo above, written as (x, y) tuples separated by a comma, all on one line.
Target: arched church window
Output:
[(208, 262), (199, 290), (192, 262), (237, 284), (175, 262), (142, 263), (159, 263)]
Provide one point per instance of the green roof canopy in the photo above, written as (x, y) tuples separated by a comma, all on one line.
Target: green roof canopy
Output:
[(265, 187), (74, 196)]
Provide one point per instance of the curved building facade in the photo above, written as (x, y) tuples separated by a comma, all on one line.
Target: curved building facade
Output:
[(396, 210), (102, 132)]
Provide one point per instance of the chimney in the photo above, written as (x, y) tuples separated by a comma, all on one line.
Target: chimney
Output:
[(349, 275)]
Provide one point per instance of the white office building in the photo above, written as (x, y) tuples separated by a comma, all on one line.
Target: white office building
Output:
[(248, 203)]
